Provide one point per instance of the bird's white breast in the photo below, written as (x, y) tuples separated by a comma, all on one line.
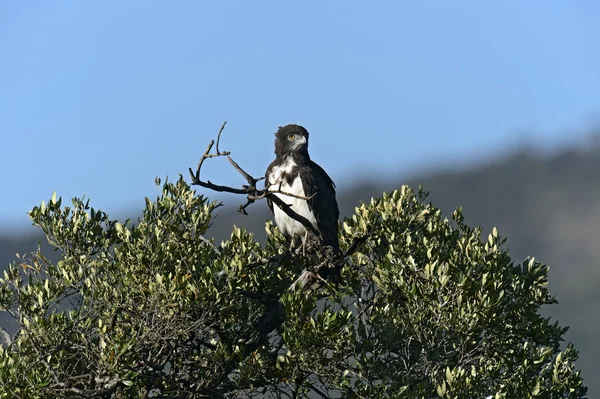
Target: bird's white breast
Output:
[(287, 225)]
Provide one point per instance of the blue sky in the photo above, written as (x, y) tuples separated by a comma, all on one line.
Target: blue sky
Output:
[(98, 98)]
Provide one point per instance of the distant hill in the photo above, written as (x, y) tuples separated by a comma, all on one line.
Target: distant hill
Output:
[(547, 205)]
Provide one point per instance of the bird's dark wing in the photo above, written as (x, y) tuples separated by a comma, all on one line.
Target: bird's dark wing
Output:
[(317, 183), (267, 173)]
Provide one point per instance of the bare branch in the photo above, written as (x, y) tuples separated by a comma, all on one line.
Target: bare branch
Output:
[(237, 167), (219, 136), (266, 193), (210, 243), (287, 209), (196, 176)]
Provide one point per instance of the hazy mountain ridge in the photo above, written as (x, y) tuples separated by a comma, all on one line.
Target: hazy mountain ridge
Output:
[(547, 205)]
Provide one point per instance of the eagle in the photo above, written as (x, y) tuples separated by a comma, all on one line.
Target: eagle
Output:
[(295, 173)]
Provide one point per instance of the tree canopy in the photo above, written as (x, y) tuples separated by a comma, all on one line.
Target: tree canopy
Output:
[(423, 308)]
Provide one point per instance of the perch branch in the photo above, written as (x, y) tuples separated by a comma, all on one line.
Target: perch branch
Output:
[(329, 269)]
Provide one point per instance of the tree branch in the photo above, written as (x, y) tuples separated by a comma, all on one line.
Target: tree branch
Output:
[(219, 135)]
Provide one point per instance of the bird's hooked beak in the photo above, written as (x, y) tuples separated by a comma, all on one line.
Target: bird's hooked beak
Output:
[(299, 142)]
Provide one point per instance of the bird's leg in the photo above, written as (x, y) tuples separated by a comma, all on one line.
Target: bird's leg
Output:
[(294, 245), (304, 244)]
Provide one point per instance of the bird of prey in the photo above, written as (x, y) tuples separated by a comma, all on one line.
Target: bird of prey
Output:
[(295, 173)]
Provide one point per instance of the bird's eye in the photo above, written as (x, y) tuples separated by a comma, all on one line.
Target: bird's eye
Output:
[(291, 136)]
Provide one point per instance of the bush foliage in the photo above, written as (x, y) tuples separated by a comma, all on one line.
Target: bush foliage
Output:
[(423, 309)]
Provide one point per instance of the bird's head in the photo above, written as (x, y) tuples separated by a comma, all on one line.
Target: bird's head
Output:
[(291, 139)]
